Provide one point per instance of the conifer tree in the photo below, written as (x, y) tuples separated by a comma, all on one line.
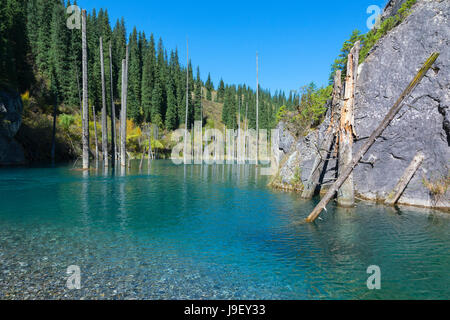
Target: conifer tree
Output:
[(58, 51), (209, 88), (134, 79), (157, 101), (221, 91), (198, 97), (171, 114), (119, 43)]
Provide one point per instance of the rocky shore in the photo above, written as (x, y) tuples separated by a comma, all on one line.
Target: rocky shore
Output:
[(422, 125)]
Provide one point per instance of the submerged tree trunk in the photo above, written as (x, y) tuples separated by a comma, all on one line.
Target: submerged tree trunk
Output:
[(257, 110), (405, 179), (142, 159), (113, 113), (123, 113), (85, 115), (53, 151), (187, 105), (346, 195), (104, 112), (150, 153), (95, 133), (383, 125), (325, 147)]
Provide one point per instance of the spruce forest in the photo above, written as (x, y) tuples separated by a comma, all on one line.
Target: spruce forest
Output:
[(46, 67)]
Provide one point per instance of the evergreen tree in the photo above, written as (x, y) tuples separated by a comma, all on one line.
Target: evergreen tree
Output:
[(74, 67), (162, 66), (43, 37), (198, 97), (157, 100), (171, 114), (15, 71), (229, 108), (209, 88), (341, 62), (148, 79), (220, 91), (119, 44), (191, 111), (58, 51), (134, 78)]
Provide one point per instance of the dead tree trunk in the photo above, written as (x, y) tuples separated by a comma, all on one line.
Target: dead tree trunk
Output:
[(78, 88), (346, 195), (313, 181), (85, 115), (95, 132), (104, 112), (150, 153), (383, 125), (257, 110), (142, 159), (405, 179), (113, 113), (123, 116), (55, 109), (187, 105)]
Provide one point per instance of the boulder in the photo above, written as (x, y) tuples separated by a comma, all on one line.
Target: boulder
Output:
[(11, 107)]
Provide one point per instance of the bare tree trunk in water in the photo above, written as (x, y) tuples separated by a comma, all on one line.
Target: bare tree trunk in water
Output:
[(378, 131), (405, 179), (95, 132), (55, 109), (104, 112), (113, 113), (187, 105), (123, 115), (346, 195), (85, 114)]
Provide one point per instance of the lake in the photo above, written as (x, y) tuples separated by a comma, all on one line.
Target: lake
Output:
[(206, 232)]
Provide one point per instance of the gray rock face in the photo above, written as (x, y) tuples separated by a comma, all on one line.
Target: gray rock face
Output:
[(303, 154), (10, 120), (423, 124), (287, 140), (282, 143)]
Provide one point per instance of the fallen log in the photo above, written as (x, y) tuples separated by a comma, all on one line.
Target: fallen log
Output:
[(405, 179), (383, 125)]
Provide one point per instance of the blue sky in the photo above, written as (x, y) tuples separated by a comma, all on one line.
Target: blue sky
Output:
[(296, 40)]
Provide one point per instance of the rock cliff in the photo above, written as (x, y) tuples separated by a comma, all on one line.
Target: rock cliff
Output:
[(423, 124), (11, 152)]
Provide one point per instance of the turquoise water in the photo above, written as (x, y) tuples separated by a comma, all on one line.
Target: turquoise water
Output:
[(206, 232)]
